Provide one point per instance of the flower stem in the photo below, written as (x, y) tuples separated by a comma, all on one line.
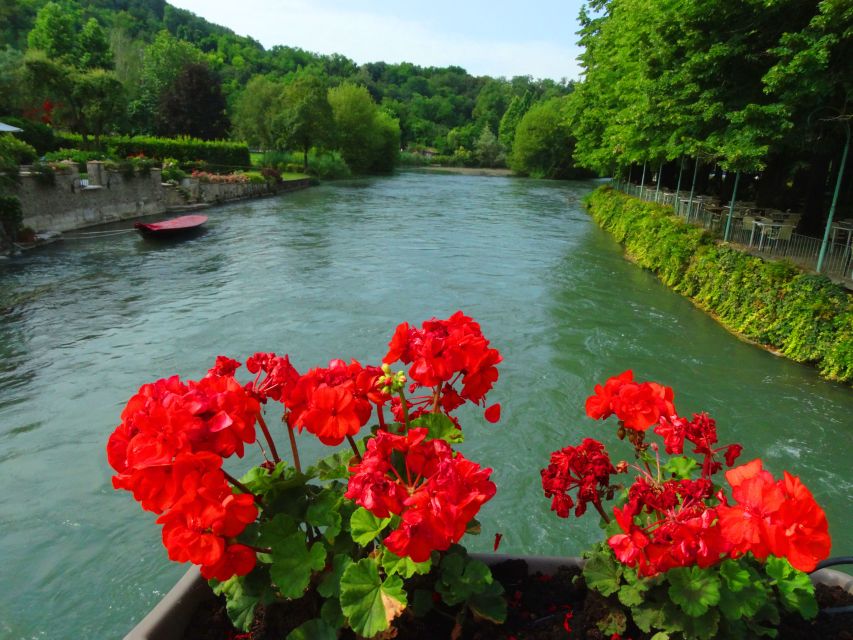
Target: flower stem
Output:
[(296, 464), (258, 549), (352, 444), (241, 486), (381, 415), (267, 435), (405, 406), (601, 512)]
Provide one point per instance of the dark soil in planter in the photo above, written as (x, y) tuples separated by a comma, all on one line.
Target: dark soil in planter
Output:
[(541, 607)]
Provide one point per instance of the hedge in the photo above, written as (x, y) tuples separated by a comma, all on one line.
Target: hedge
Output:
[(219, 155), (805, 317)]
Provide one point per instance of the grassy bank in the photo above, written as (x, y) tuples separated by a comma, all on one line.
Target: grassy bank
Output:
[(802, 316)]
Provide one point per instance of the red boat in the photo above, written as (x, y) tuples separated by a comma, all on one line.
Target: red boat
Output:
[(171, 228)]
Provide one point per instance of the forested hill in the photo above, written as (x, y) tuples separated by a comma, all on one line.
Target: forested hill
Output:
[(443, 108)]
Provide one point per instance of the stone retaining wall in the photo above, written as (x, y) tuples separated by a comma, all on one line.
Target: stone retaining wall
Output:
[(70, 203), (108, 196)]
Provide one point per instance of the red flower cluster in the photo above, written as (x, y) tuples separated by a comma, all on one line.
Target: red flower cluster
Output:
[(637, 405), (587, 468), (681, 529), (334, 402), (168, 452), (443, 351), (434, 491), (702, 432), (668, 523), (774, 517)]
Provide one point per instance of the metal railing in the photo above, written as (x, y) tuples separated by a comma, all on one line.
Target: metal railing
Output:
[(768, 242)]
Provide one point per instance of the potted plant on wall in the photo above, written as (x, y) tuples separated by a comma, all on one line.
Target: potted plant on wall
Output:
[(365, 540)]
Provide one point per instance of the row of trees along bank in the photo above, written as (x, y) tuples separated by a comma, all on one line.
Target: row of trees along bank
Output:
[(145, 67), (762, 90)]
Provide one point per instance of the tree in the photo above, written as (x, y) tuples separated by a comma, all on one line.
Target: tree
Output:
[(256, 109), (491, 103), (163, 60), (193, 105), (94, 48), (101, 101), (543, 142), (11, 64), (518, 106), (54, 32), (305, 119), (488, 150), (354, 113)]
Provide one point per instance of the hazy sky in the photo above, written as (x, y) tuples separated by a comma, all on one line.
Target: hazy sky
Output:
[(486, 38)]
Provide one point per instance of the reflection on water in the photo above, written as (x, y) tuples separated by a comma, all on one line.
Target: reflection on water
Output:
[(329, 272)]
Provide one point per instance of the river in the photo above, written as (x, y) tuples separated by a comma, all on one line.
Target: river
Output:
[(329, 272)]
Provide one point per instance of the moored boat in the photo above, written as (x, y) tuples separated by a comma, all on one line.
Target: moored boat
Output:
[(171, 228)]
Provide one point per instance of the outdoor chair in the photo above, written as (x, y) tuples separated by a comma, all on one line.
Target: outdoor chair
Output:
[(779, 234)]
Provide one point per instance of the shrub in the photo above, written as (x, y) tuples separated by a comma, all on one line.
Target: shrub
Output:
[(78, 156), (44, 173), (805, 316), (36, 134), (172, 171), (221, 156), (19, 151)]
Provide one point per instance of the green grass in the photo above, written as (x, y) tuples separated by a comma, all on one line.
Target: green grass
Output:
[(256, 158), (287, 175)]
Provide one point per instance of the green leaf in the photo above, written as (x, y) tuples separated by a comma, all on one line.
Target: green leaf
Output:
[(368, 602), (735, 576), (324, 512), (332, 614), (680, 466), (693, 589), (366, 527), (614, 621), (273, 531), (405, 567), (660, 635), (440, 427), (316, 629), (461, 577), (795, 588), (293, 563), (648, 617), (259, 480), (330, 585), (242, 595), (333, 467), (602, 573), (490, 603), (632, 594)]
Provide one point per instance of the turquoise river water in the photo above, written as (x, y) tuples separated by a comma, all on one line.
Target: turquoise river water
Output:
[(329, 272)]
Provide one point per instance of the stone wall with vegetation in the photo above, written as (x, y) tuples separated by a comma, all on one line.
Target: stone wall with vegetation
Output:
[(803, 316), (63, 203)]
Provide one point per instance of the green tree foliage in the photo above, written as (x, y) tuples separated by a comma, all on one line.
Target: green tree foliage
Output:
[(368, 138), (54, 32), (163, 61), (11, 65), (256, 109), (305, 118), (94, 49), (193, 105), (543, 142), (518, 106), (488, 150)]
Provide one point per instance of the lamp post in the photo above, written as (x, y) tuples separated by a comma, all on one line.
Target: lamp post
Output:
[(731, 209), (825, 241)]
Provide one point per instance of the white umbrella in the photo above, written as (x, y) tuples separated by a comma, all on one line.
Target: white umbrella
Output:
[(8, 127)]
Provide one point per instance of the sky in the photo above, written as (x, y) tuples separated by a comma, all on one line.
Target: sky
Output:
[(495, 38)]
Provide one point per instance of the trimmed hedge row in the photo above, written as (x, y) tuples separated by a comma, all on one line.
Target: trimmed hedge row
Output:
[(219, 155), (805, 317)]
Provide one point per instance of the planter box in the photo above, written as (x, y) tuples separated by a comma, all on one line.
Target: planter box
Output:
[(168, 620)]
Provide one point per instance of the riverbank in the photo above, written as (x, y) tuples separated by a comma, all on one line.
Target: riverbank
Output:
[(464, 171), (69, 200), (801, 316)]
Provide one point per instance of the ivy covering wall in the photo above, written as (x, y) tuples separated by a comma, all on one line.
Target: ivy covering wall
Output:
[(804, 316)]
